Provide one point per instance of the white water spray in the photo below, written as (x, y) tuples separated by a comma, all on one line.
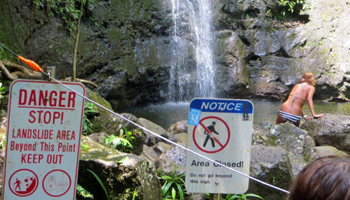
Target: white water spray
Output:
[(192, 24)]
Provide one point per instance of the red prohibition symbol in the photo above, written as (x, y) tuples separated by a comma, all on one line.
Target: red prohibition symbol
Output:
[(56, 183), (222, 146)]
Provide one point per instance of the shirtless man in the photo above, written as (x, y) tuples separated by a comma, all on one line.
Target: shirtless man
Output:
[(292, 108)]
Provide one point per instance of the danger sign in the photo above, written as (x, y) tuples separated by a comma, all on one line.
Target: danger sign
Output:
[(220, 129), (43, 140)]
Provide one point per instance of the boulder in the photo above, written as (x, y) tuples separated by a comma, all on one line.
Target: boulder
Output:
[(98, 137), (152, 139), (182, 137), (294, 140), (121, 179), (149, 154), (269, 164), (313, 153), (285, 135), (178, 127), (330, 130), (98, 99)]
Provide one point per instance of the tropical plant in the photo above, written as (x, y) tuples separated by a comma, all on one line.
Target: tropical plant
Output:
[(240, 196), (118, 142), (285, 7), (174, 186), (88, 109), (122, 142)]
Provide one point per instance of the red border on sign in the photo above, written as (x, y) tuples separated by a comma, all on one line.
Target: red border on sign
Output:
[(222, 147), (8, 123), (24, 195), (43, 184)]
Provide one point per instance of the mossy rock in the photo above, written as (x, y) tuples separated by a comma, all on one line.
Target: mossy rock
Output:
[(112, 124), (98, 99), (135, 176)]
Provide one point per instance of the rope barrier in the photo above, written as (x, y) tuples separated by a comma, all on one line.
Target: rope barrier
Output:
[(163, 138)]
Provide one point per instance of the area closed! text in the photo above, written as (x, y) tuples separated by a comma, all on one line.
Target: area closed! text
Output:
[(207, 164)]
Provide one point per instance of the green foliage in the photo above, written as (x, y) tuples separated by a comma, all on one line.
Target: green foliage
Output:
[(123, 142), (67, 10), (2, 91), (1, 53), (240, 196), (83, 192), (174, 186), (134, 195), (84, 146), (123, 160), (88, 109), (3, 141), (286, 8), (100, 182)]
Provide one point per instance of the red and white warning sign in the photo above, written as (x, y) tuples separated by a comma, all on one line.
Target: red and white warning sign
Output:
[(43, 140)]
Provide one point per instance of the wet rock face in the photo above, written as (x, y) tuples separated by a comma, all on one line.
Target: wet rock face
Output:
[(128, 49), (267, 57)]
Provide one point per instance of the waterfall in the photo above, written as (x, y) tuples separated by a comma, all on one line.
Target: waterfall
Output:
[(191, 30)]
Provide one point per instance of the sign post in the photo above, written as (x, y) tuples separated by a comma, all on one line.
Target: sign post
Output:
[(220, 129), (43, 140)]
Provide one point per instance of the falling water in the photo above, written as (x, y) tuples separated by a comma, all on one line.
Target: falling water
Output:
[(192, 18)]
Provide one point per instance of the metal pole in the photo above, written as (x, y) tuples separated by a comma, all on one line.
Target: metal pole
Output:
[(211, 197), (49, 70), (219, 196)]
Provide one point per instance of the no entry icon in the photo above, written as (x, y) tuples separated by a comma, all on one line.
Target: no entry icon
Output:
[(212, 130)]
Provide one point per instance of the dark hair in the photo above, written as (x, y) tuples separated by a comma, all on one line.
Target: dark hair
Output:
[(326, 178), (308, 78)]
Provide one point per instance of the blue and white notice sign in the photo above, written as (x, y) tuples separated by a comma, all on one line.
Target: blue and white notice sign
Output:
[(220, 129)]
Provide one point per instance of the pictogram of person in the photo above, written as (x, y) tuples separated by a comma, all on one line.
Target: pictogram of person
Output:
[(17, 184), (211, 128)]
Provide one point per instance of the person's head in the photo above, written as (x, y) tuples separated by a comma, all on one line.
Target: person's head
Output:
[(326, 178), (213, 123), (308, 77)]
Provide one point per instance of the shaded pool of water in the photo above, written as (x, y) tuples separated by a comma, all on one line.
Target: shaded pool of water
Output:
[(167, 114)]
